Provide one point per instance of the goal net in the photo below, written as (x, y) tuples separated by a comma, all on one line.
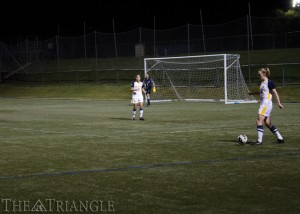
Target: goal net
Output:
[(198, 78)]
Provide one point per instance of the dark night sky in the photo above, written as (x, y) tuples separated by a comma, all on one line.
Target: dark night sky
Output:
[(42, 17)]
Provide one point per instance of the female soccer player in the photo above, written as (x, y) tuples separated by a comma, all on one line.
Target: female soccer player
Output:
[(266, 90), (149, 83), (137, 88)]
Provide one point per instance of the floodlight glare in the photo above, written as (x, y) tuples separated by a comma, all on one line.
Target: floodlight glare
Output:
[(296, 3)]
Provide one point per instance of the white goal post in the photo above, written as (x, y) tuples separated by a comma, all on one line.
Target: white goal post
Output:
[(209, 78)]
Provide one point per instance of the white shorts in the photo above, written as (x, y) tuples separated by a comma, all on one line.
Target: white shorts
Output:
[(265, 109), (137, 99)]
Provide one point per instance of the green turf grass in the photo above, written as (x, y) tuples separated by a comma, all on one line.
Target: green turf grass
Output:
[(185, 156)]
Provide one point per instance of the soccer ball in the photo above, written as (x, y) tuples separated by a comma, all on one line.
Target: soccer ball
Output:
[(242, 139)]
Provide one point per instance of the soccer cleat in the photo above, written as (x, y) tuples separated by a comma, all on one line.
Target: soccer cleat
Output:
[(133, 118), (141, 118), (258, 143), (280, 140)]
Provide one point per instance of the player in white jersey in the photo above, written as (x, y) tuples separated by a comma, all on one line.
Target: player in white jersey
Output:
[(266, 90), (137, 89)]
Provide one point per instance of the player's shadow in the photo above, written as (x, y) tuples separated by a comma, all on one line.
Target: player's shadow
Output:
[(120, 118), (237, 144), (234, 142)]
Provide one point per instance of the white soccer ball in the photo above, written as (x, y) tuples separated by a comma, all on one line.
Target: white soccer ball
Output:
[(242, 139)]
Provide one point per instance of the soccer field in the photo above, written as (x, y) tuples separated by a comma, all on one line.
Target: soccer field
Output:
[(182, 159)]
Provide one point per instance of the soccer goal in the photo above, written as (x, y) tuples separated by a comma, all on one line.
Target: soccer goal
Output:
[(199, 78)]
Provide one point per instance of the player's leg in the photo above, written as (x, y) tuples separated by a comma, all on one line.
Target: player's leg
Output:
[(141, 111), (259, 123), (134, 104), (148, 98), (260, 129), (274, 130)]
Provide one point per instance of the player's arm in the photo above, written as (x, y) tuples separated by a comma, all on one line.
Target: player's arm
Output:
[(275, 94), (272, 88), (143, 89), (153, 84), (132, 87), (254, 93)]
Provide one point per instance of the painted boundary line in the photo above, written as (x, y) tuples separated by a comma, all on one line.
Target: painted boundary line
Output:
[(151, 166)]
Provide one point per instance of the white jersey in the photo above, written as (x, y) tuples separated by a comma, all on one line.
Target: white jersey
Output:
[(137, 86), (265, 91)]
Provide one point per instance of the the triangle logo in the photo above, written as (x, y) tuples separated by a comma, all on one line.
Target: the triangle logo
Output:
[(38, 207)]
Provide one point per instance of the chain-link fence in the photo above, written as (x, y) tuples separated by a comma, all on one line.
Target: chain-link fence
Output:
[(100, 57)]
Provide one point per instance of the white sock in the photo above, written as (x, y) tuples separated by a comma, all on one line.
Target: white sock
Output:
[(276, 132), (141, 112), (133, 113), (278, 135), (260, 133)]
